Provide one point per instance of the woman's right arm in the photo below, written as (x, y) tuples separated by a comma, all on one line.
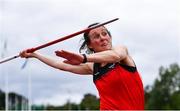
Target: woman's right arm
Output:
[(83, 69)]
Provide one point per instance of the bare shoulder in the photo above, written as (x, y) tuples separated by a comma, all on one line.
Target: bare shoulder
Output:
[(128, 59)]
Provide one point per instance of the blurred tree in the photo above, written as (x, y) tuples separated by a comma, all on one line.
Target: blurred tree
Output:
[(165, 92), (2, 100), (89, 102)]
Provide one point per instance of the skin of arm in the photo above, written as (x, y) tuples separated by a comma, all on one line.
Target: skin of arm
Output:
[(110, 56), (73, 62), (84, 69), (77, 69), (117, 54)]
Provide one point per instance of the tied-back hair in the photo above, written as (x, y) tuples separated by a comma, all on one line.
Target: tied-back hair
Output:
[(86, 41)]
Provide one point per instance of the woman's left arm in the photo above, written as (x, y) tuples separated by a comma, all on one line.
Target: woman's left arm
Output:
[(116, 54), (110, 56)]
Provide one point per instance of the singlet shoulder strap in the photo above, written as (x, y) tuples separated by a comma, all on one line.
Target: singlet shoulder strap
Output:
[(128, 68), (96, 67)]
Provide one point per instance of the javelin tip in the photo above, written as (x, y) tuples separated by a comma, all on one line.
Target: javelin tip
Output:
[(8, 59)]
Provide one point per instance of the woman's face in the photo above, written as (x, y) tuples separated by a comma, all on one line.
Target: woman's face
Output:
[(100, 40)]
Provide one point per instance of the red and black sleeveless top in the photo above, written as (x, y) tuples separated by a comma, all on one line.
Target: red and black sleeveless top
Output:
[(119, 86)]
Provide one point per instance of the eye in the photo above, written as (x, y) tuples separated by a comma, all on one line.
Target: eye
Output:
[(104, 33), (96, 36)]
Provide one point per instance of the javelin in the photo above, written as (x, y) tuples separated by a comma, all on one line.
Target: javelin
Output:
[(58, 40)]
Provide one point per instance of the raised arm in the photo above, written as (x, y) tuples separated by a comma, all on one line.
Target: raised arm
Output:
[(77, 69), (117, 54), (109, 56)]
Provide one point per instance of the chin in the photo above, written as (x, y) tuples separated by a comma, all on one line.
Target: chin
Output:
[(106, 48), (109, 47)]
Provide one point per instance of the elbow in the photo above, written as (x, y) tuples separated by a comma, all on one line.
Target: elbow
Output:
[(115, 57), (118, 56)]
